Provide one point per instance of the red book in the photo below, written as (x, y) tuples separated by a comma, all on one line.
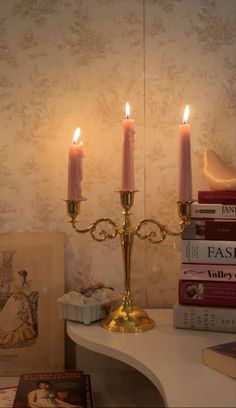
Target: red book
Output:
[(207, 293), (212, 229), (217, 197)]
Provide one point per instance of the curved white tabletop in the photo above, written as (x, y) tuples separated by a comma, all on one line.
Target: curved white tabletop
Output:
[(170, 358)]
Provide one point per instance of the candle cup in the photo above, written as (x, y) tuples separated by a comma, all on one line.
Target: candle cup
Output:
[(127, 198), (184, 210), (73, 210)]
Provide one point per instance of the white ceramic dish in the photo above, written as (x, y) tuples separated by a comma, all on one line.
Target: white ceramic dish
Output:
[(70, 309)]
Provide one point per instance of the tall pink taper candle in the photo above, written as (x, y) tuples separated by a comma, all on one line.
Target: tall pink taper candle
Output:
[(127, 165), (185, 170), (75, 170)]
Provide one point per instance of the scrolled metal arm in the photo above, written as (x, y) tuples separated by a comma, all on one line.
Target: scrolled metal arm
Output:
[(152, 236), (102, 234)]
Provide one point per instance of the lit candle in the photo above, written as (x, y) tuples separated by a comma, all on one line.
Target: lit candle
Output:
[(127, 165), (185, 171), (75, 170)]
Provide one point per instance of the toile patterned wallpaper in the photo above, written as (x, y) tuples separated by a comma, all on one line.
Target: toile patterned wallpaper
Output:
[(69, 63)]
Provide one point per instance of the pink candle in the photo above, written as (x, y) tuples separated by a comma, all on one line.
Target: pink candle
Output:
[(127, 162), (185, 171), (75, 170)]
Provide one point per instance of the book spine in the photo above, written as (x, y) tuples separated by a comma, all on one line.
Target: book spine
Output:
[(88, 391), (217, 197), (207, 272), (223, 230), (208, 252), (213, 211), (204, 318), (207, 293)]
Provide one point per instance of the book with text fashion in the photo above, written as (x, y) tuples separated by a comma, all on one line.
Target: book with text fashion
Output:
[(207, 293), (221, 273), (209, 318), (208, 252), (222, 358), (211, 229), (213, 211), (68, 389), (217, 197)]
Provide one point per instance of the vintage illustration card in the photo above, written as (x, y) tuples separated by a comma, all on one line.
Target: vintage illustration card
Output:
[(70, 389), (31, 280)]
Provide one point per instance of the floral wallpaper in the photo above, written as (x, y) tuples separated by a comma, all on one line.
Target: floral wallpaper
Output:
[(65, 64)]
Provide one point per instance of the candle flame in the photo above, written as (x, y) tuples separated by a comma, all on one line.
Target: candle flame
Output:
[(76, 135), (127, 110), (186, 114)]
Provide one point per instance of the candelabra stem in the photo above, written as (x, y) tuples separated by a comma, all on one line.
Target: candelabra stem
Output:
[(127, 318), (126, 236)]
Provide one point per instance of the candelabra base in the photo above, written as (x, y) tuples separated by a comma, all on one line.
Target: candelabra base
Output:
[(132, 321)]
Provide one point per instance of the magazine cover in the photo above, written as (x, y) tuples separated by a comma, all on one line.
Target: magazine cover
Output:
[(57, 389)]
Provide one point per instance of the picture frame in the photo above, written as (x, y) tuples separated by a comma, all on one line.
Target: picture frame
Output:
[(31, 280)]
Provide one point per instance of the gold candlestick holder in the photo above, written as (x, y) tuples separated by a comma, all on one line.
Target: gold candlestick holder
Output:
[(128, 318)]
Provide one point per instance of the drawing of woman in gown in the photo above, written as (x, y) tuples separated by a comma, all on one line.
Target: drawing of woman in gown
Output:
[(16, 322)]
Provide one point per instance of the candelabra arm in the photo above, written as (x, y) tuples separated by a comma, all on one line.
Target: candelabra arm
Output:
[(73, 209), (151, 236), (81, 231), (154, 237), (102, 234)]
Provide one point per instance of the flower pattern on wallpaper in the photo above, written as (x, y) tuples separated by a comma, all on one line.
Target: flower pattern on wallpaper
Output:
[(168, 6), (37, 11), (28, 42), (6, 179), (6, 54), (37, 115), (84, 43), (212, 29), (75, 63), (229, 87), (7, 97)]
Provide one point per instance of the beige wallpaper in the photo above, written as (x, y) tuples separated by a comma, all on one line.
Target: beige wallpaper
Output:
[(69, 63)]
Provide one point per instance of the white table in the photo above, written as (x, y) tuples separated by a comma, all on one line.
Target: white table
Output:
[(169, 357)]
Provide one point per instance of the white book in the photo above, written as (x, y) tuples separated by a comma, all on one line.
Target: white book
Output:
[(222, 319), (208, 252), (213, 211)]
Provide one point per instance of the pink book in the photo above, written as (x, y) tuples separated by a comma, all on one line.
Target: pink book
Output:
[(208, 272)]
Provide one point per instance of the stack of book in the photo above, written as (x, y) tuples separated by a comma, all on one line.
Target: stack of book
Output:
[(207, 285)]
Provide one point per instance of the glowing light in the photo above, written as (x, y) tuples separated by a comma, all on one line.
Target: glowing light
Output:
[(127, 110), (76, 135), (186, 114)]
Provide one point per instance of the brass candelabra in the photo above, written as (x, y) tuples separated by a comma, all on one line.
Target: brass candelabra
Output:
[(128, 317)]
